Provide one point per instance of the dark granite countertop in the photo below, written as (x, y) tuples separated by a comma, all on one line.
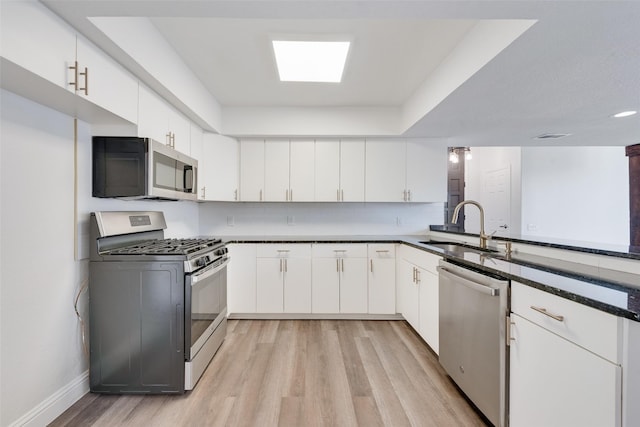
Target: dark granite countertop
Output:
[(610, 291), (619, 251)]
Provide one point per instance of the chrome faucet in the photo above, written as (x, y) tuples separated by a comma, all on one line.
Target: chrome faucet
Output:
[(483, 237)]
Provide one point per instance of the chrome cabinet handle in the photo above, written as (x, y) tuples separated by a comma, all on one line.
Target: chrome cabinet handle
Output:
[(371, 264), (337, 265), (338, 195), (546, 313), (417, 276), (285, 265), (408, 195), (342, 195), (342, 262), (404, 195), (260, 194), (414, 275), (204, 192), (235, 194)]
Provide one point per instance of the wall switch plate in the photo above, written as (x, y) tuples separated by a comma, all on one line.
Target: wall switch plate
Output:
[(532, 227), (398, 221)]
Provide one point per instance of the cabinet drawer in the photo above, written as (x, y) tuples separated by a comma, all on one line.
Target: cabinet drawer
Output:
[(425, 260), (594, 330), (382, 250), (355, 250), (275, 250)]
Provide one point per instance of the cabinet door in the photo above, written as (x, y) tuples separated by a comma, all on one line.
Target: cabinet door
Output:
[(302, 171), (197, 135), (180, 130), (269, 285), (325, 285), (429, 308), (36, 39), (251, 170), (297, 285), (327, 171), (352, 170), (276, 171), (385, 171), (108, 84), (353, 285), (241, 279), (426, 172), (153, 116), (553, 382), (382, 279), (407, 293), (218, 168)]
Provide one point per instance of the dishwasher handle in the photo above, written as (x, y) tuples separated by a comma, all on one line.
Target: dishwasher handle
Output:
[(469, 283)]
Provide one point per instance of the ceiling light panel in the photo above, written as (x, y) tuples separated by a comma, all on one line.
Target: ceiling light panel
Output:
[(311, 61)]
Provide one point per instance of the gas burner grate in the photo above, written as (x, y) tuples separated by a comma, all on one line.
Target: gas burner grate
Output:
[(167, 247)]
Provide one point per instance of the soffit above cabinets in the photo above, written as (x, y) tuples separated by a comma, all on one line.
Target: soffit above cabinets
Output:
[(480, 72)]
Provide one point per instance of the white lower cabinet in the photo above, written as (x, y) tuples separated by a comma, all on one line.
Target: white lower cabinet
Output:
[(560, 376), (283, 278), (241, 279), (382, 279), (417, 292), (339, 278)]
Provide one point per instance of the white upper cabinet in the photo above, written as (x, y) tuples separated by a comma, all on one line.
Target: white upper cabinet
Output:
[(405, 171), (159, 121), (352, 170), (104, 82), (218, 168), (302, 171), (45, 49), (197, 137), (385, 171), (36, 39), (327, 171), (252, 170), (339, 174), (276, 170)]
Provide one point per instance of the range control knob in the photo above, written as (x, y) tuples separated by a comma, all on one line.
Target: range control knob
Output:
[(201, 262)]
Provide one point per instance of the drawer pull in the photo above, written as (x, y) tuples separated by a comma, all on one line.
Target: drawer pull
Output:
[(546, 313)]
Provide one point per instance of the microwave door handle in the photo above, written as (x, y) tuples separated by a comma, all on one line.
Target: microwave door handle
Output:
[(187, 170)]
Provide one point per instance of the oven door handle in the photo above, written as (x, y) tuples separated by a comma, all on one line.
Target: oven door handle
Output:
[(209, 271), (479, 287)]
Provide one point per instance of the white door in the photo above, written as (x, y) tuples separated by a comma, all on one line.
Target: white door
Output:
[(302, 171), (352, 170), (353, 285), (276, 170), (297, 285), (382, 289), (429, 309), (241, 277), (496, 200), (269, 285), (385, 171), (407, 293), (153, 116), (325, 283), (554, 382), (252, 170), (327, 170), (180, 132), (218, 170)]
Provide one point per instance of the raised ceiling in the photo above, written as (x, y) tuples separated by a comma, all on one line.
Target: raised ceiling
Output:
[(568, 73)]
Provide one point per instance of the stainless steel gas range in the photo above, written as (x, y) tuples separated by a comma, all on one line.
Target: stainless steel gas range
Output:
[(157, 306)]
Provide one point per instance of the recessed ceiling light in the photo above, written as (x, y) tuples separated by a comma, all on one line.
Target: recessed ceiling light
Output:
[(310, 61), (625, 114)]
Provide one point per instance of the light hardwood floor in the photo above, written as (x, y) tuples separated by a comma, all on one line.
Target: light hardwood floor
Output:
[(300, 373)]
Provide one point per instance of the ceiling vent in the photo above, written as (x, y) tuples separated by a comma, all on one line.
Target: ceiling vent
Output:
[(552, 135)]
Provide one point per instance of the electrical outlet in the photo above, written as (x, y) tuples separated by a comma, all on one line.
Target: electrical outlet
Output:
[(231, 221), (398, 221), (291, 220), (532, 227)]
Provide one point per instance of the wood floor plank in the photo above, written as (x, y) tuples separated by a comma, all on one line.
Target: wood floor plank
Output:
[(300, 373)]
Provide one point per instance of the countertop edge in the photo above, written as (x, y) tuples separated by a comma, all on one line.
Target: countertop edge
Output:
[(414, 241)]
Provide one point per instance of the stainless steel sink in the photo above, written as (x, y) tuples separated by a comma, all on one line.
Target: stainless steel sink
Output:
[(457, 247)]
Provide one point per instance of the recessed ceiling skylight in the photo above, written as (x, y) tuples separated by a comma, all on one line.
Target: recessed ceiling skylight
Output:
[(310, 61)]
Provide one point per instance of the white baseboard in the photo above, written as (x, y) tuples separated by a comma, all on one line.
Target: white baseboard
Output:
[(53, 406)]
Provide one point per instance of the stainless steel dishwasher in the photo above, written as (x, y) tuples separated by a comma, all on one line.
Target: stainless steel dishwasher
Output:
[(473, 347)]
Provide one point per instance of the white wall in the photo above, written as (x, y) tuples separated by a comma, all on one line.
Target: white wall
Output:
[(576, 193), (487, 159), (258, 219), (41, 358)]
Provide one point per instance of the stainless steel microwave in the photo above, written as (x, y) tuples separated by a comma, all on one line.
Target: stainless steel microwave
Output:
[(141, 168)]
